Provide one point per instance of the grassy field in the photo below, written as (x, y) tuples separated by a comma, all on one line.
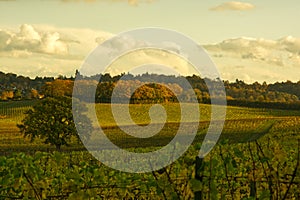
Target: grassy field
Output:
[(241, 124), (139, 113), (257, 157)]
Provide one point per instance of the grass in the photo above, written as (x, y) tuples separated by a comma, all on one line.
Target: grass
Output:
[(140, 113), (241, 124), (277, 130)]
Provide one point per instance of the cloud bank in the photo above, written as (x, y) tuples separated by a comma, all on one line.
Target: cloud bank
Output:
[(281, 52), (233, 5), (259, 59), (30, 40), (43, 50)]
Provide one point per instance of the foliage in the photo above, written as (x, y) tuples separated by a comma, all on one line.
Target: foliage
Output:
[(51, 119), (263, 169), (13, 87), (17, 87), (58, 88), (259, 170), (257, 92)]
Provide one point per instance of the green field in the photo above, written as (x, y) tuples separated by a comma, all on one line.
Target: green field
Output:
[(257, 157), (240, 124)]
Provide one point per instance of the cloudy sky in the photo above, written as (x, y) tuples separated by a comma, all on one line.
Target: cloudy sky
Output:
[(253, 40)]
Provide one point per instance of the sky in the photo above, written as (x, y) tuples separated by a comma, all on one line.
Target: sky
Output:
[(254, 40)]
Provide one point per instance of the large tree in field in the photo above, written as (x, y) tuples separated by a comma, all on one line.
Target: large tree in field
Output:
[(51, 120)]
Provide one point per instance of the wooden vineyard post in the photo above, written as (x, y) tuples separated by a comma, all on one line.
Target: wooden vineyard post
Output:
[(199, 176)]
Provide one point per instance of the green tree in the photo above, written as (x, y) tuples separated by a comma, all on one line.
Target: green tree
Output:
[(17, 94), (51, 120), (58, 87)]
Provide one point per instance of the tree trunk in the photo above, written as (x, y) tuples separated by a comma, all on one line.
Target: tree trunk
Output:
[(199, 176)]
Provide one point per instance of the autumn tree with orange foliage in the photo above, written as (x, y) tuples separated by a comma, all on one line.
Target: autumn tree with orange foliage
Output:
[(58, 88)]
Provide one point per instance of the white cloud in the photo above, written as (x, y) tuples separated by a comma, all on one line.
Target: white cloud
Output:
[(43, 50), (80, 41), (127, 52), (290, 44), (233, 5), (260, 59), (29, 39), (145, 57), (4, 39), (65, 43), (272, 51), (51, 43)]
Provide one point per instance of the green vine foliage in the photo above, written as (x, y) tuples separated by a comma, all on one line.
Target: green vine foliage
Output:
[(256, 170), (265, 167)]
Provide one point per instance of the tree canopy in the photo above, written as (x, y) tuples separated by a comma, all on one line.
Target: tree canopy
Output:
[(51, 120), (14, 87)]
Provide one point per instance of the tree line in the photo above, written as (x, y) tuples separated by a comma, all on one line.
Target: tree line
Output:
[(14, 87), (158, 89)]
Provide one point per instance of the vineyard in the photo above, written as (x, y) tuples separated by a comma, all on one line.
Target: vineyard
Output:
[(14, 110), (257, 157)]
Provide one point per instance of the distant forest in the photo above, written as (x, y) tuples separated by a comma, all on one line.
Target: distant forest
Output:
[(284, 95)]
